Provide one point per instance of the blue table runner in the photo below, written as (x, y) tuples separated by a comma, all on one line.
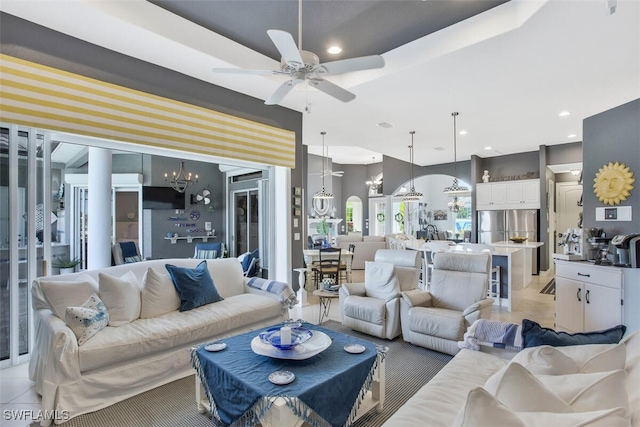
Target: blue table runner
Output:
[(327, 390)]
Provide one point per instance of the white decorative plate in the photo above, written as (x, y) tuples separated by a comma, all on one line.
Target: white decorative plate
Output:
[(215, 346), (354, 348), (282, 377), (318, 343)]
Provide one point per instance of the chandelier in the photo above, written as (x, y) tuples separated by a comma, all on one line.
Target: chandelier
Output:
[(180, 180), (322, 194), (455, 205), (412, 195), (455, 187), (374, 183)]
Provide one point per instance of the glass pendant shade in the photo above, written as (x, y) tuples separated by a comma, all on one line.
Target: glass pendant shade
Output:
[(412, 195)]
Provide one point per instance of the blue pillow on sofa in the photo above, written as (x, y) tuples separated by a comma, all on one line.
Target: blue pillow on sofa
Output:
[(534, 335), (194, 285)]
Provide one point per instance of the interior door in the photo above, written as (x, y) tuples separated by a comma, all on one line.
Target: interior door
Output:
[(567, 210)]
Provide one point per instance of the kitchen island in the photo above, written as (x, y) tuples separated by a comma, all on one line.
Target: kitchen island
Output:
[(514, 275), (530, 248)]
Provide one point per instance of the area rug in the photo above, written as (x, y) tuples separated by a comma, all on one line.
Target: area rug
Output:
[(408, 368), (550, 288)]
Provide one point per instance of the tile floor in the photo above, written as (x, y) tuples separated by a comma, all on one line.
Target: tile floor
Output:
[(17, 391)]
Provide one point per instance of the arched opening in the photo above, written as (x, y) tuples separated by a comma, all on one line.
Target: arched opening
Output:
[(353, 215), (433, 214)]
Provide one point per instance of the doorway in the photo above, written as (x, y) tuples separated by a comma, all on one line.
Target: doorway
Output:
[(568, 211), (353, 215)]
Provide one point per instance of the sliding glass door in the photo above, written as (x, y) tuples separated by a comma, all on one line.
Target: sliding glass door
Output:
[(25, 227)]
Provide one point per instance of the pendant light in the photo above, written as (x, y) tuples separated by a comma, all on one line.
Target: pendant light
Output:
[(412, 195), (322, 194), (455, 205)]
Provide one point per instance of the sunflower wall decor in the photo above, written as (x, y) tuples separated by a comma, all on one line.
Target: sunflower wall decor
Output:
[(613, 183)]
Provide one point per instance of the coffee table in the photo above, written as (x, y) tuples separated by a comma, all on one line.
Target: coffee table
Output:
[(335, 365)]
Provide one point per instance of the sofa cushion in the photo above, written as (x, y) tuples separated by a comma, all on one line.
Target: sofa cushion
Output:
[(437, 322), (62, 294), (158, 296), (121, 296), (514, 386), (371, 310), (145, 337), (194, 285), (380, 280), (88, 319), (483, 409), (534, 335), (376, 239)]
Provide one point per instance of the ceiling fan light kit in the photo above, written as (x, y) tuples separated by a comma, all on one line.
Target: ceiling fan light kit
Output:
[(304, 66)]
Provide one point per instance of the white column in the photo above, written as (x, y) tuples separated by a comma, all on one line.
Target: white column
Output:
[(99, 221)]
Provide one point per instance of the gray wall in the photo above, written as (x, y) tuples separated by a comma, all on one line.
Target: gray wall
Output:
[(26, 40), (612, 136)]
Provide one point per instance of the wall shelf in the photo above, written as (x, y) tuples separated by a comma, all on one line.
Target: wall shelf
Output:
[(189, 239)]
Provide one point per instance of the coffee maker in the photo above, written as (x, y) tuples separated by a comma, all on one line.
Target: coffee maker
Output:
[(574, 245), (626, 247)]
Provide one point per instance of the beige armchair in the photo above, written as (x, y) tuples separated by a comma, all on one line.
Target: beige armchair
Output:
[(373, 307), (438, 319)]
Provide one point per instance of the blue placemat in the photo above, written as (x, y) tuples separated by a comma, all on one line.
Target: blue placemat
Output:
[(327, 385)]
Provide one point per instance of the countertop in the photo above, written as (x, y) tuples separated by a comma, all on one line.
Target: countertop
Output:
[(509, 244)]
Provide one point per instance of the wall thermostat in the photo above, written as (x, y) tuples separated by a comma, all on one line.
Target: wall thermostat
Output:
[(618, 213)]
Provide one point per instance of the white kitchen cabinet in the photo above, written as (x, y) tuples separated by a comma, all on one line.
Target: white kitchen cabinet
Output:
[(523, 194), (491, 196), (588, 297)]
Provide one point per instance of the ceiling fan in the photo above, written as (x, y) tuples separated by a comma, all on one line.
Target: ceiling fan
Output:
[(304, 66)]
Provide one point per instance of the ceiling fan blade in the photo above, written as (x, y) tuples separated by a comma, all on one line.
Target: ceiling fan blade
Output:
[(353, 64), (280, 93), (287, 47), (246, 71), (332, 90)]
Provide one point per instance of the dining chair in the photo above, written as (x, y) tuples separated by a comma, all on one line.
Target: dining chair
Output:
[(328, 266), (345, 270)]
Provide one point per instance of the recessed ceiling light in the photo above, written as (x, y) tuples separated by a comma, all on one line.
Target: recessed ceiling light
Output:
[(564, 113), (573, 135), (575, 172), (463, 132), (334, 50), (385, 125), (487, 148)]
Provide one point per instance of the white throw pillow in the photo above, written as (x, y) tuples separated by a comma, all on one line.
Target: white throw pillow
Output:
[(88, 319), (159, 296), (515, 386), (590, 391), (62, 294), (482, 409), (380, 280), (597, 357), (121, 296), (546, 360)]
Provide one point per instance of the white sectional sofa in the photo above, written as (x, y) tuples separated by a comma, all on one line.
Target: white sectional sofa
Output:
[(121, 361), (440, 401)]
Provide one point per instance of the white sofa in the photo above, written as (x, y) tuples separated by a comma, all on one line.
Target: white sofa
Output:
[(121, 361), (439, 402)]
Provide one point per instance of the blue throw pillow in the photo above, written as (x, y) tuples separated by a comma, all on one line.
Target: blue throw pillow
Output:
[(194, 286), (534, 335), (246, 261)]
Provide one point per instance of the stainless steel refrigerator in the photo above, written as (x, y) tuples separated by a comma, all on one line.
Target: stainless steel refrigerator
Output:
[(497, 226)]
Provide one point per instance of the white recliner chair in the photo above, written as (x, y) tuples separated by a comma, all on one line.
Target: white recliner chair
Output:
[(373, 307), (438, 319)]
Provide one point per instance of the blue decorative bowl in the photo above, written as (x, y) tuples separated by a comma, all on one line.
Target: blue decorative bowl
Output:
[(272, 336)]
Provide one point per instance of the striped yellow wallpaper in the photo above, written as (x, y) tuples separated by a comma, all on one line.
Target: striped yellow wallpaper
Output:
[(47, 98)]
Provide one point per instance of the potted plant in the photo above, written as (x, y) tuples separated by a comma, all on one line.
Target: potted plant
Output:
[(66, 265)]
